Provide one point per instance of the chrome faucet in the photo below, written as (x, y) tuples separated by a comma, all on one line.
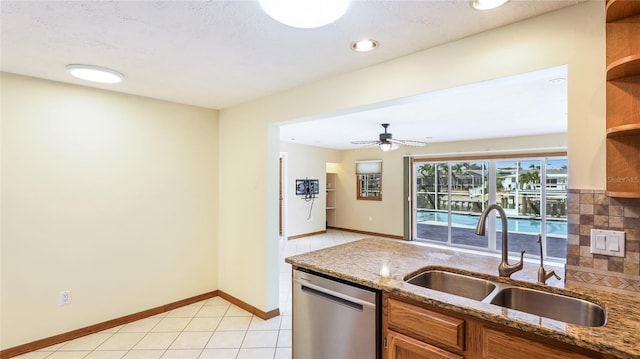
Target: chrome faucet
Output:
[(504, 269), (543, 274)]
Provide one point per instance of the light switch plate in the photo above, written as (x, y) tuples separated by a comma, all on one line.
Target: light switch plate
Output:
[(608, 243)]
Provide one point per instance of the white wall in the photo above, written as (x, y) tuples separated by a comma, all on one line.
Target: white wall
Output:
[(572, 36), (111, 196), (301, 162)]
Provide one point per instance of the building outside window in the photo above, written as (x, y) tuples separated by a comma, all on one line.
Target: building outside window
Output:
[(369, 180), (449, 197)]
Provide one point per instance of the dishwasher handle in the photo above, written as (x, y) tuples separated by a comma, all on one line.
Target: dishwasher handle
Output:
[(332, 295)]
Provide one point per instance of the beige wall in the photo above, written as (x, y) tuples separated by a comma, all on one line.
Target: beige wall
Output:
[(110, 196), (572, 36), (301, 162)]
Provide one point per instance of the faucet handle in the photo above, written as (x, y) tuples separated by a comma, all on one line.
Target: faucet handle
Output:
[(543, 275), (506, 270)]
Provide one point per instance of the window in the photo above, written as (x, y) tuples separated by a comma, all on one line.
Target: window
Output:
[(449, 197), (369, 180)]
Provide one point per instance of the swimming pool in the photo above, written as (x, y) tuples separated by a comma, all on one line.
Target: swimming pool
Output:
[(520, 225)]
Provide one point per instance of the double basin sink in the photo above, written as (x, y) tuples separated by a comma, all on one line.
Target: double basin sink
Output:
[(544, 304)]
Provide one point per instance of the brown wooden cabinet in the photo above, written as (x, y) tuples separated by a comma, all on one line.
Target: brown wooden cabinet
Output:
[(497, 344), (426, 325), (418, 331), (403, 347), (623, 98)]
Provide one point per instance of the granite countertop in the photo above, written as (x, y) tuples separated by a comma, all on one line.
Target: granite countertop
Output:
[(361, 262)]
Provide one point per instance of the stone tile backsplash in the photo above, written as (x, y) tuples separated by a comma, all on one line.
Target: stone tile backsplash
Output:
[(589, 209)]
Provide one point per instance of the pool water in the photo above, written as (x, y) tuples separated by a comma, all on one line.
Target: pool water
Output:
[(519, 225)]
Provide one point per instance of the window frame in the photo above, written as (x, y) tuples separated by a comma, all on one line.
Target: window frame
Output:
[(369, 180), (448, 160), (376, 180)]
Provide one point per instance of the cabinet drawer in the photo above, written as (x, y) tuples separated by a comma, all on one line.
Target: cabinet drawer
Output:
[(500, 345), (425, 324), (403, 347)]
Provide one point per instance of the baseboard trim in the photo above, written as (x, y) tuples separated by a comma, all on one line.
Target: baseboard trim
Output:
[(74, 334), (306, 235), (248, 307), (368, 233)]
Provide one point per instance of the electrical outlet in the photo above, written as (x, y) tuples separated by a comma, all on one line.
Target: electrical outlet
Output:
[(370, 218), (65, 297)]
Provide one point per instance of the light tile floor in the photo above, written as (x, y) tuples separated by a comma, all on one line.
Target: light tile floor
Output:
[(212, 328)]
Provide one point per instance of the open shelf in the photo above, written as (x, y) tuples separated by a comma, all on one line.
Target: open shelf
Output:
[(623, 98), (623, 194), (330, 205), (624, 130), (619, 9), (625, 67)]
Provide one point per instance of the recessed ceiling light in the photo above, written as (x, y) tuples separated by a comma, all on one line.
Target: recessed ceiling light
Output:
[(487, 4), (305, 14), (364, 45), (557, 80), (95, 73)]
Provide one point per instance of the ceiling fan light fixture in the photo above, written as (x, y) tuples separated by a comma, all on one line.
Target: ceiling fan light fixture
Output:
[(95, 73), (364, 45), (487, 4), (388, 146), (305, 14), (386, 142), (385, 147)]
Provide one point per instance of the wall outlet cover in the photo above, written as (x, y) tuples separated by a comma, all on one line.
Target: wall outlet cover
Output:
[(65, 297), (607, 243)]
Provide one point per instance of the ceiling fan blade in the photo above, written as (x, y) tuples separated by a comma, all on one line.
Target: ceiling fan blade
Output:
[(408, 142), (386, 137), (365, 142)]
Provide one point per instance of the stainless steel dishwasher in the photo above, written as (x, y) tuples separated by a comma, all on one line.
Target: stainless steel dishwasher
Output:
[(334, 319)]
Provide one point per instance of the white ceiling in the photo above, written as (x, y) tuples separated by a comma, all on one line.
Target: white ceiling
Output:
[(533, 103), (217, 54)]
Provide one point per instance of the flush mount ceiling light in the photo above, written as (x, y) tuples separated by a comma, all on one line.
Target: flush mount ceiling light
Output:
[(487, 4), (305, 14), (95, 73), (364, 45)]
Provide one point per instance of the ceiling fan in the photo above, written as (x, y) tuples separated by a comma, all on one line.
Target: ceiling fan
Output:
[(387, 143)]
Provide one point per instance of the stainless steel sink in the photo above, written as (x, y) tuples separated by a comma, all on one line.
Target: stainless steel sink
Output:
[(544, 304), (549, 305), (453, 283)]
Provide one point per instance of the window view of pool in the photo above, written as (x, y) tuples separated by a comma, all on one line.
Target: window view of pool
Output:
[(516, 225), (450, 195)]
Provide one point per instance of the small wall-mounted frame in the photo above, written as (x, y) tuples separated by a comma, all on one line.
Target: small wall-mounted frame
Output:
[(369, 180), (307, 187)]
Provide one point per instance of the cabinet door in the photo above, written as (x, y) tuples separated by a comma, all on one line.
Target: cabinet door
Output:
[(500, 345), (403, 347)]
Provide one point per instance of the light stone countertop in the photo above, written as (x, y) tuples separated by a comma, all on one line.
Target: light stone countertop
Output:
[(361, 261)]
